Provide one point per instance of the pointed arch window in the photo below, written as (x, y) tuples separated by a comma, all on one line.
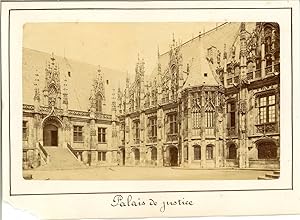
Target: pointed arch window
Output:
[(196, 117)]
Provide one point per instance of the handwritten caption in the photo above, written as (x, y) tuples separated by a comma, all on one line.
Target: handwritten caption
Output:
[(130, 201)]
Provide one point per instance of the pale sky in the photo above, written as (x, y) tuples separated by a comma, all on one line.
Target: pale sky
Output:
[(112, 45)]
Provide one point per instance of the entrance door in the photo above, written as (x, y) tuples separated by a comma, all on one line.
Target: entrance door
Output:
[(50, 135), (173, 156), (54, 141)]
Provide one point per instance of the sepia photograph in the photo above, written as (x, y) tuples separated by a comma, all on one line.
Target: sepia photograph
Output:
[(150, 109), (151, 101)]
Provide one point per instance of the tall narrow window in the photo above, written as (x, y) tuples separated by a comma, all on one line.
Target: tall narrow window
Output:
[(173, 123), (154, 153), (231, 114), (25, 130), (136, 154), (101, 156), (102, 135), (209, 119), (186, 153), (77, 134), (153, 126), (197, 152), (209, 152), (136, 131), (196, 112), (266, 109)]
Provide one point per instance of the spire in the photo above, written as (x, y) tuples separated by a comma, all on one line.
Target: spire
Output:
[(225, 53), (65, 91), (243, 26), (113, 106), (36, 87), (173, 38), (127, 80)]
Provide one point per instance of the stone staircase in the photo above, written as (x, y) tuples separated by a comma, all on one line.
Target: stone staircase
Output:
[(61, 159), (270, 176)]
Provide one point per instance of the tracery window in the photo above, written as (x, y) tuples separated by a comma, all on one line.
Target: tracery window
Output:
[(196, 112), (209, 119)]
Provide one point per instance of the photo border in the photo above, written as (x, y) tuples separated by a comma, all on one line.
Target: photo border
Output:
[(124, 8)]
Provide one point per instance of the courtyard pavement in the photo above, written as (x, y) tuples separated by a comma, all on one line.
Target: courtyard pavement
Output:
[(145, 173)]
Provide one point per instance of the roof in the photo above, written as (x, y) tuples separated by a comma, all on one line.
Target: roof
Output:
[(194, 53), (79, 77)]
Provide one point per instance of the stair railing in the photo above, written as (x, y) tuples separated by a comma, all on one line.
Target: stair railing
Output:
[(44, 155), (70, 148)]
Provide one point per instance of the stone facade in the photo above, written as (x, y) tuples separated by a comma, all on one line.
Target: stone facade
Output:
[(50, 123), (221, 112), (200, 107)]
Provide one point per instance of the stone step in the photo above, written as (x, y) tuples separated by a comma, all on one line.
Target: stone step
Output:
[(273, 176), (61, 158), (277, 172), (264, 178)]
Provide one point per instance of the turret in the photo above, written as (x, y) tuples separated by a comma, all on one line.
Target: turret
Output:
[(65, 97), (243, 49), (36, 97)]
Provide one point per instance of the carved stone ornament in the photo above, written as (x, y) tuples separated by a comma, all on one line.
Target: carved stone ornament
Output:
[(243, 107)]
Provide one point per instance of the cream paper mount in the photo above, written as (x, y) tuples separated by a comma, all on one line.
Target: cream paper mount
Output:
[(126, 109)]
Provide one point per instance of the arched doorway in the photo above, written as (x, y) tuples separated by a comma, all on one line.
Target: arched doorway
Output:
[(50, 135), (51, 132), (173, 156), (232, 152), (266, 150)]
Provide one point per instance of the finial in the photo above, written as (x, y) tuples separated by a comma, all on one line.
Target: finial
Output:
[(242, 26), (225, 53), (158, 51), (52, 57), (173, 38)]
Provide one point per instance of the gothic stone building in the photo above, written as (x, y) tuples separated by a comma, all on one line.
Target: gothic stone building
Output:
[(67, 120), (211, 102)]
